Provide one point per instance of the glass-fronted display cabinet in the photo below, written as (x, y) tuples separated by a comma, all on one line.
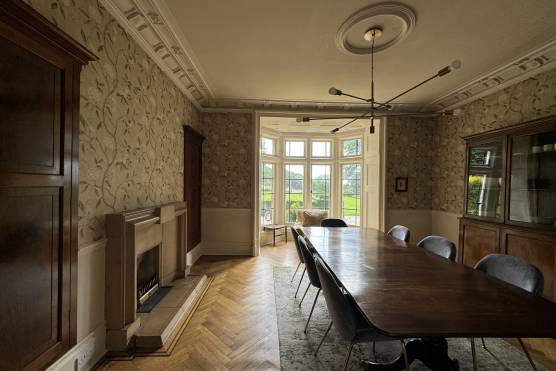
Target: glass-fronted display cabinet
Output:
[(511, 175), (510, 197), (532, 191)]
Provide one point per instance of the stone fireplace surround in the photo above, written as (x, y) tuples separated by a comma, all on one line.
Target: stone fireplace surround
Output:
[(130, 234)]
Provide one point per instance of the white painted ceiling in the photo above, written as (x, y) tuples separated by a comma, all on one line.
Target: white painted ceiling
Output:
[(285, 50)]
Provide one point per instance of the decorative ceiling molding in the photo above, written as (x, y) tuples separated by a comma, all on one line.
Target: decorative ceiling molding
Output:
[(381, 16), (153, 27), (532, 63), (144, 21), (278, 104)]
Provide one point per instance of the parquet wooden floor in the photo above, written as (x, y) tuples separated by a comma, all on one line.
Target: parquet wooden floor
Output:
[(234, 327)]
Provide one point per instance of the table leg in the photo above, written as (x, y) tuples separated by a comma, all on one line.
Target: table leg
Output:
[(286, 233), (433, 352), (274, 237)]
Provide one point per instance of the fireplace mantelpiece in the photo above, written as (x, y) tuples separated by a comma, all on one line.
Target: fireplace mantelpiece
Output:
[(130, 234)]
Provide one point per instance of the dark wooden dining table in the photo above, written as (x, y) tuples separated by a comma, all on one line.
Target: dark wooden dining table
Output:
[(406, 292)]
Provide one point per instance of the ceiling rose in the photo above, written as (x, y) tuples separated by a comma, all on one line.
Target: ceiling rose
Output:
[(395, 20)]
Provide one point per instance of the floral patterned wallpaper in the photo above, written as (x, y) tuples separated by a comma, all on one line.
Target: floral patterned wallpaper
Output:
[(431, 152), (227, 160), (409, 155), (527, 100), (131, 118)]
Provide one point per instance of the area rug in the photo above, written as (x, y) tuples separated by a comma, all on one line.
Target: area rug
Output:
[(297, 348)]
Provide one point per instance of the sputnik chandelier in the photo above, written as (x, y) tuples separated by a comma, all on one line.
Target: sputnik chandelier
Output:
[(383, 109)]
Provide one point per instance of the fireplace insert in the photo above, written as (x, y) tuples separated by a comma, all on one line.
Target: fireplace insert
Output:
[(147, 275)]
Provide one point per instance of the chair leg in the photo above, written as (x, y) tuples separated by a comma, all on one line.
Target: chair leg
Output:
[(348, 355), (301, 280), (324, 337), (506, 367), (533, 366), (374, 350), (301, 302), (473, 354), (294, 273), (406, 359), (311, 313)]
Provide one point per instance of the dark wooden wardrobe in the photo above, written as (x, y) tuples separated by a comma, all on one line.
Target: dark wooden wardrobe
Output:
[(192, 184), (39, 147)]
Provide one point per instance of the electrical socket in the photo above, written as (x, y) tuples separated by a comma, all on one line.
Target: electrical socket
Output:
[(84, 358)]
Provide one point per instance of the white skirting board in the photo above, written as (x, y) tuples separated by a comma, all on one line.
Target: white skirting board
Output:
[(85, 354), (226, 231), (194, 255)]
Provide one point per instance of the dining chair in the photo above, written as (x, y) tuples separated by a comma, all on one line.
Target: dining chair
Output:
[(296, 244), (309, 260), (331, 222), (516, 272), (347, 319), (400, 232), (439, 246), (295, 235)]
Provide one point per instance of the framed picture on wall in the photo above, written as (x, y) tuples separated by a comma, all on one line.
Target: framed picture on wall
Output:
[(401, 184)]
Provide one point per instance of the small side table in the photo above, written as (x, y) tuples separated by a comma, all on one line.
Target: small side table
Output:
[(274, 228)]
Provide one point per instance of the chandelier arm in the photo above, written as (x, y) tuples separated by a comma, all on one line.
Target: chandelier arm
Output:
[(385, 114), (355, 96), (332, 117), (416, 114), (350, 122)]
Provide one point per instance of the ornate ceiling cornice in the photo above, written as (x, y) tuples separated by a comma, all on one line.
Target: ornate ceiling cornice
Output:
[(144, 21), (279, 104), (154, 29), (538, 60)]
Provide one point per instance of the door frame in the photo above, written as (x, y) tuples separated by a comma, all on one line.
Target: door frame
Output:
[(256, 159)]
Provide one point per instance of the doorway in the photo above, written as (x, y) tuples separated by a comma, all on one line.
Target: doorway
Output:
[(302, 166), (192, 184)]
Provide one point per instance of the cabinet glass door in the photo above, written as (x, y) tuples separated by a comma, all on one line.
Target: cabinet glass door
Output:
[(533, 179), (484, 180)]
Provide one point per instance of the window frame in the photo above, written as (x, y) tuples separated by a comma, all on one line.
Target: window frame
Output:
[(273, 193), (330, 184), (360, 194), (274, 146), (331, 149), (285, 193), (347, 139), (299, 140)]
